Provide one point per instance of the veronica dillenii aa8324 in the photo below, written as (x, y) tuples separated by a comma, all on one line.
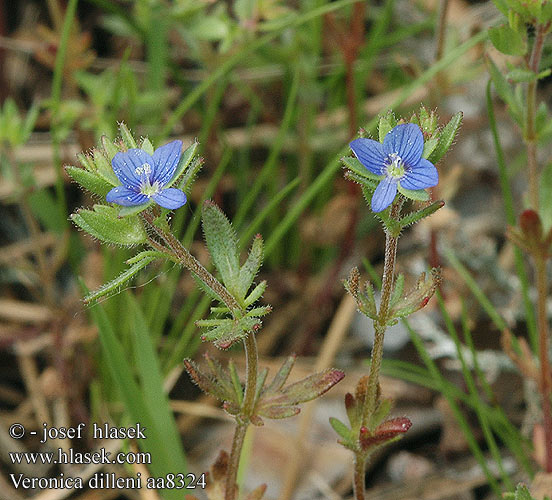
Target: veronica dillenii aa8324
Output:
[(398, 161)]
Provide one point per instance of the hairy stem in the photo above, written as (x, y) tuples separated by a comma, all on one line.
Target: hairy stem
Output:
[(358, 476), (232, 471), (192, 264), (545, 379), (380, 325)]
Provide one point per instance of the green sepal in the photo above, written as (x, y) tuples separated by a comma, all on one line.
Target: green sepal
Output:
[(146, 254), (126, 136), (354, 165), (147, 146), (416, 195), (104, 224), (185, 159), (189, 175), (386, 123), (258, 312), (250, 267), (128, 211), (109, 147), (366, 184), (120, 280), (89, 180), (222, 244), (446, 138), (427, 120), (255, 294), (507, 40), (104, 168), (429, 146)]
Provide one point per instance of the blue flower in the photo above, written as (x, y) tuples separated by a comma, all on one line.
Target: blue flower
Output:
[(143, 177), (399, 160)]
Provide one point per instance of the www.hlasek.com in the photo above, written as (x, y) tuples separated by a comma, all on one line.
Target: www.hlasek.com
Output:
[(98, 480)]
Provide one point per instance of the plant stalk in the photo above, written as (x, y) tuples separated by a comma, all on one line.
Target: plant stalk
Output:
[(358, 476), (545, 379), (530, 124), (233, 463), (380, 325)]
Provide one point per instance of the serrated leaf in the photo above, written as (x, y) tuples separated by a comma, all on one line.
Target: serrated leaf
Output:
[(507, 40), (120, 280), (103, 223), (238, 388), (342, 430), (504, 89), (222, 244), (250, 267), (446, 138), (312, 387), (283, 373), (398, 290), (185, 159), (89, 180), (230, 332), (277, 412), (416, 195), (205, 382), (354, 165), (255, 294)]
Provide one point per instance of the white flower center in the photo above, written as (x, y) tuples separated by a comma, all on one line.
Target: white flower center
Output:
[(144, 169), (394, 166)]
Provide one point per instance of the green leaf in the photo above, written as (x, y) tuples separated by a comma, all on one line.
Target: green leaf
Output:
[(120, 280), (446, 137), (429, 146), (398, 290), (222, 244), (255, 294), (418, 215), (128, 211), (283, 373), (545, 191), (507, 40), (353, 164), (185, 159), (238, 388), (110, 149), (103, 223), (416, 195), (155, 397), (520, 75), (250, 267), (504, 89), (138, 410), (89, 180), (230, 331), (312, 387), (342, 430)]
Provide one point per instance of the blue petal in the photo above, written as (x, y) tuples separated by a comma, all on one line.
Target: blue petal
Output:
[(422, 176), (405, 140), (370, 154), (125, 197), (170, 198), (384, 194), (166, 160), (127, 167)]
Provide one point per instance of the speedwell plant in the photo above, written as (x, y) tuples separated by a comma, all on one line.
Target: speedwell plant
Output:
[(138, 187), (392, 171)]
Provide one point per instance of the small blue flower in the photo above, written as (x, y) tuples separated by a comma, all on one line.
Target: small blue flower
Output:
[(399, 160), (143, 177)]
